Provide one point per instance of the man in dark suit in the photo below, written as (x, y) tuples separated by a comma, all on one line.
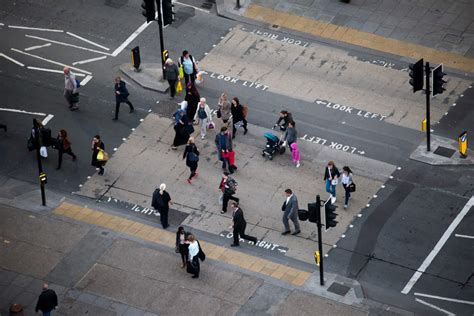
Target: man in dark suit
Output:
[(239, 225), (47, 301), (290, 211)]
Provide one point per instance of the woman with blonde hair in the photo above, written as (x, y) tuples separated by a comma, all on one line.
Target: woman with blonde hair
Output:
[(191, 154), (161, 201), (225, 110)]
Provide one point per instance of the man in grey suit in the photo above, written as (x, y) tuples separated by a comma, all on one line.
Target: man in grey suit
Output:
[(290, 211)]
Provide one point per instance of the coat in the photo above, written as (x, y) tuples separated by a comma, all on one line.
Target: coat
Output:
[(291, 208), (190, 148), (334, 173), (95, 151), (239, 220), (171, 72), (291, 135), (226, 110), (206, 109), (121, 87), (237, 113), (47, 301)]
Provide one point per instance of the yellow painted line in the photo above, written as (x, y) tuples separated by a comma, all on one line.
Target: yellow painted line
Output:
[(359, 38), (163, 237)]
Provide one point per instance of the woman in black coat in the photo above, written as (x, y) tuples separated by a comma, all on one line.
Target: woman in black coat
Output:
[(182, 245), (97, 144), (238, 117), (192, 97), (182, 132), (121, 96), (191, 154)]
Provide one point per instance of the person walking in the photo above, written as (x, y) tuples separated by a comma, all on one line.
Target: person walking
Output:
[(121, 96), (182, 129), (291, 135), (97, 146), (295, 154), (346, 180), (225, 151), (172, 75), (64, 147), (182, 245), (191, 154), (195, 254), (70, 89), (47, 301), (228, 187), (161, 202), (225, 110), (190, 68), (192, 98), (283, 121), (204, 115), (239, 224), (290, 211), (238, 117), (331, 174)]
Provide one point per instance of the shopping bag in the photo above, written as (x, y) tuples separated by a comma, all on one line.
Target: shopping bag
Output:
[(43, 152), (181, 72), (211, 125), (179, 87), (102, 155), (352, 187), (199, 78)]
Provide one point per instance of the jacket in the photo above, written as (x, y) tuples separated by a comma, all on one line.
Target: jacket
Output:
[(224, 141), (206, 109), (121, 88), (70, 83), (291, 208), (239, 220), (225, 109), (291, 135), (190, 148), (171, 72), (237, 113), (334, 173), (286, 120), (47, 301)]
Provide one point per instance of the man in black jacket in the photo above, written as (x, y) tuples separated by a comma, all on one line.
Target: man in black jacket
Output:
[(239, 225), (47, 301)]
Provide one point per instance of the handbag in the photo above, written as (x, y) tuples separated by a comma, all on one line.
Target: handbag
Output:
[(351, 187), (43, 152), (211, 125), (239, 124), (179, 87), (193, 157), (201, 255), (102, 155), (181, 72), (30, 144), (334, 181), (191, 267)]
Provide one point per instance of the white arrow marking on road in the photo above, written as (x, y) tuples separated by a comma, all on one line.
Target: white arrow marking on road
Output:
[(86, 40), (321, 102), (426, 263), (34, 29), (131, 38), (52, 70), (12, 60), (434, 307), (67, 44), (37, 46), (89, 60), (86, 80), (50, 61), (444, 298)]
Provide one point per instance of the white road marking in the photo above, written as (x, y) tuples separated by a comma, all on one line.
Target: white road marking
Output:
[(37, 46), (12, 60), (438, 246), (52, 70), (87, 41), (454, 300), (50, 61), (88, 60), (67, 44), (22, 111), (47, 119), (1, 24), (86, 80), (464, 236), (34, 28), (188, 5), (434, 307), (131, 38)]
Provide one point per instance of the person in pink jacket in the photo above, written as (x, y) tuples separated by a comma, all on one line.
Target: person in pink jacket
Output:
[(295, 154)]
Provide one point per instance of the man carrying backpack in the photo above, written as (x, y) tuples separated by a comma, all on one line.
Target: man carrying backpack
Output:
[(228, 186), (190, 69)]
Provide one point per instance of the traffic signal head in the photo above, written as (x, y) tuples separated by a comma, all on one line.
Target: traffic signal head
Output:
[(314, 212), (330, 214), (168, 14), (438, 81), (148, 10), (416, 75)]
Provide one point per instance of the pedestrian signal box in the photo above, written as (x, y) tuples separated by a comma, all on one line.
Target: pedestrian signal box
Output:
[(136, 57), (423, 125), (166, 54), (462, 142), (42, 178)]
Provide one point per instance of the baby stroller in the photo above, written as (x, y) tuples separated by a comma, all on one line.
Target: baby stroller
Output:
[(274, 146)]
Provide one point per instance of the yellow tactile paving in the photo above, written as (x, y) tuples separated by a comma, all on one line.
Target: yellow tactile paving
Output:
[(359, 38), (116, 223)]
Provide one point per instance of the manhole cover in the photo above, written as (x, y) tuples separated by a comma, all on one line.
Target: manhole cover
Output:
[(445, 152), (339, 289)]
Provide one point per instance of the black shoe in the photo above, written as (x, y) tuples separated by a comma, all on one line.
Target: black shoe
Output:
[(245, 132), (234, 167), (57, 168), (234, 245), (255, 241), (296, 232), (115, 119), (132, 110), (222, 212), (286, 233), (195, 276), (74, 158)]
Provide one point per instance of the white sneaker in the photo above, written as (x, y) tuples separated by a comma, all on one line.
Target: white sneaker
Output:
[(333, 199), (345, 205), (202, 137), (298, 165)]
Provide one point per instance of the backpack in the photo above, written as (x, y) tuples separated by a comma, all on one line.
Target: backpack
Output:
[(245, 111), (78, 83), (202, 113), (230, 186)]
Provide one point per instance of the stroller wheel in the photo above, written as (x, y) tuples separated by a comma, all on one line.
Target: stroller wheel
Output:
[(270, 157), (263, 154)]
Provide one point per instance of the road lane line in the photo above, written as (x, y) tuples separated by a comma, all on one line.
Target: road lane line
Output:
[(34, 28), (191, 6), (435, 307), (47, 119), (464, 236), (12, 60), (131, 38), (67, 44), (50, 61), (22, 111), (448, 299), (89, 60), (86, 40), (36, 47), (86, 80), (53, 70), (438, 246)]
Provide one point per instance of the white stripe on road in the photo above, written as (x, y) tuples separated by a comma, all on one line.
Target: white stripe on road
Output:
[(12, 60), (439, 309), (1, 24), (50, 61), (454, 300), (87, 41), (47, 119), (34, 28), (131, 38), (86, 80), (53, 70), (438, 246), (464, 236), (22, 111), (188, 5), (89, 60), (67, 44), (36, 47)]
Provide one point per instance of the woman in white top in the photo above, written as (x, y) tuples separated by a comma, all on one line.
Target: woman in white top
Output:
[(203, 113), (193, 251), (346, 180)]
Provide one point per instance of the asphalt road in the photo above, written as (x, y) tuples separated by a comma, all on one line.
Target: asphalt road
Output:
[(402, 225)]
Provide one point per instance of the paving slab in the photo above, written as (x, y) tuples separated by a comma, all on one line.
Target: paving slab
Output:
[(150, 76)]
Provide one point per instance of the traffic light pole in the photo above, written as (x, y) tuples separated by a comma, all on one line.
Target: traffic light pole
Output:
[(38, 158), (320, 244), (428, 99), (160, 26)]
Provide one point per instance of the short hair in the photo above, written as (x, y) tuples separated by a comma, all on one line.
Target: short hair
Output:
[(223, 128), (191, 237), (293, 123), (234, 203), (331, 163), (288, 191), (97, 136), (202, 100), (185, 52)]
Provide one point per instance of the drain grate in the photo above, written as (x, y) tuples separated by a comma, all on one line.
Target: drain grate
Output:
[(445, 152), (339, 289)]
